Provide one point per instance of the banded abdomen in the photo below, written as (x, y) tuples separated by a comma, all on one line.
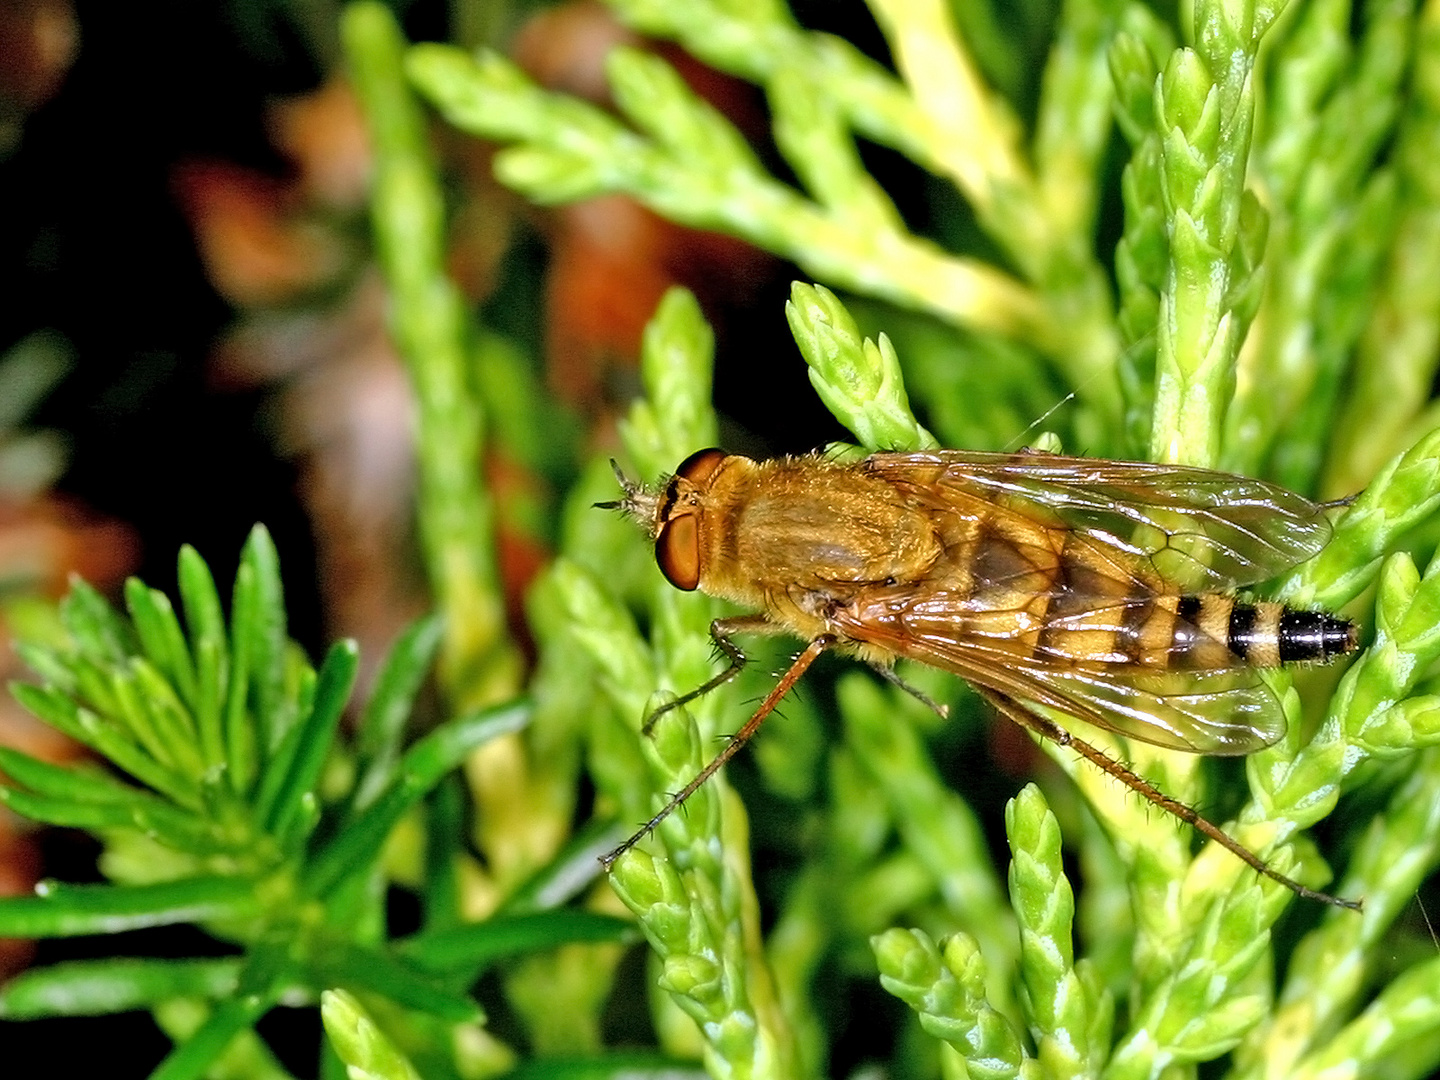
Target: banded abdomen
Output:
[(1264, 634), (1058, 596)]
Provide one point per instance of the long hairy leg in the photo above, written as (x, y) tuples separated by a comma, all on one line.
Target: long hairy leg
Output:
[(1012, 709), (731, 747)]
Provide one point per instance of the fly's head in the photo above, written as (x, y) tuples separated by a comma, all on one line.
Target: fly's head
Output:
[(673, 513)]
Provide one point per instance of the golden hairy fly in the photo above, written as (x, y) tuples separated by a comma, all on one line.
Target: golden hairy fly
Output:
[(1095, 589)]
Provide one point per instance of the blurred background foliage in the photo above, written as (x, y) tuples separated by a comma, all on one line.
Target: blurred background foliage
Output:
[(253, 280)]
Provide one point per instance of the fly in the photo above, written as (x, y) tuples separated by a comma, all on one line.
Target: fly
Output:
[(1095, 589)]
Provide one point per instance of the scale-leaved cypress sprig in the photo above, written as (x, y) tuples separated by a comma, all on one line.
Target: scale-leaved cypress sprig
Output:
[(945, 985), (432, 332), (368, 1054), (1393, 1037), (1208, 1000), (858, 379), (758, 40), (1323, 187), (946, 119), (1155, 848), (568, 150), (1040, 219), (623, 670), (1142, 253), (675, 417), (1332, 965), (1400, 497), (1394, 363), (1204, 112), (695, 903), (933, 823), (691, 905), (1069, 1011)]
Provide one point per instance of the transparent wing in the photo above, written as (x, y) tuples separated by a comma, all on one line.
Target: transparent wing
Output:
[(1225, 712), (1203, 530)]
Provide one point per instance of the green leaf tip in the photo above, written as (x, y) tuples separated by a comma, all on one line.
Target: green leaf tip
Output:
[(97, 629), (1403, 495), (313, 737), (858, 379), (367, 1052), (945, 985), (652, 94), (677, 362)]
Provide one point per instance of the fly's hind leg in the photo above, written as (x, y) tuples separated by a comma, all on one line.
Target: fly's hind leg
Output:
[(1015, 711), (722, 633)]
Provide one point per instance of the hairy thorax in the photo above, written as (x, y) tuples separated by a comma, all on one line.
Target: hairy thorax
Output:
[(795, 541)]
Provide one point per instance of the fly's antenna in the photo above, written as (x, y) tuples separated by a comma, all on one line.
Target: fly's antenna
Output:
[(638, 503), (1013, 443), (630, 487)]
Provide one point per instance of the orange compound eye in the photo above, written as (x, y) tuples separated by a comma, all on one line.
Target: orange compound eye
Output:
[(677, 550), (701, 465)]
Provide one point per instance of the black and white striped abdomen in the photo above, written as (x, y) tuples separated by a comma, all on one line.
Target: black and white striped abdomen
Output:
[(1264, 634)]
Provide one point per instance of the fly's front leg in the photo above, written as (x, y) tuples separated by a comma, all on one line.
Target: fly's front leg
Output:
[(721, 633), (733, 744)]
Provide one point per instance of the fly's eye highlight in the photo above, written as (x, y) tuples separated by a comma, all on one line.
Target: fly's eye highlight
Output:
[(677, 550), (701, 465)]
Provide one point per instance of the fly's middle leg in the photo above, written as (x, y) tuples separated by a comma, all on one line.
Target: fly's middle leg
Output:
[(722, 633), (889, 674)]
